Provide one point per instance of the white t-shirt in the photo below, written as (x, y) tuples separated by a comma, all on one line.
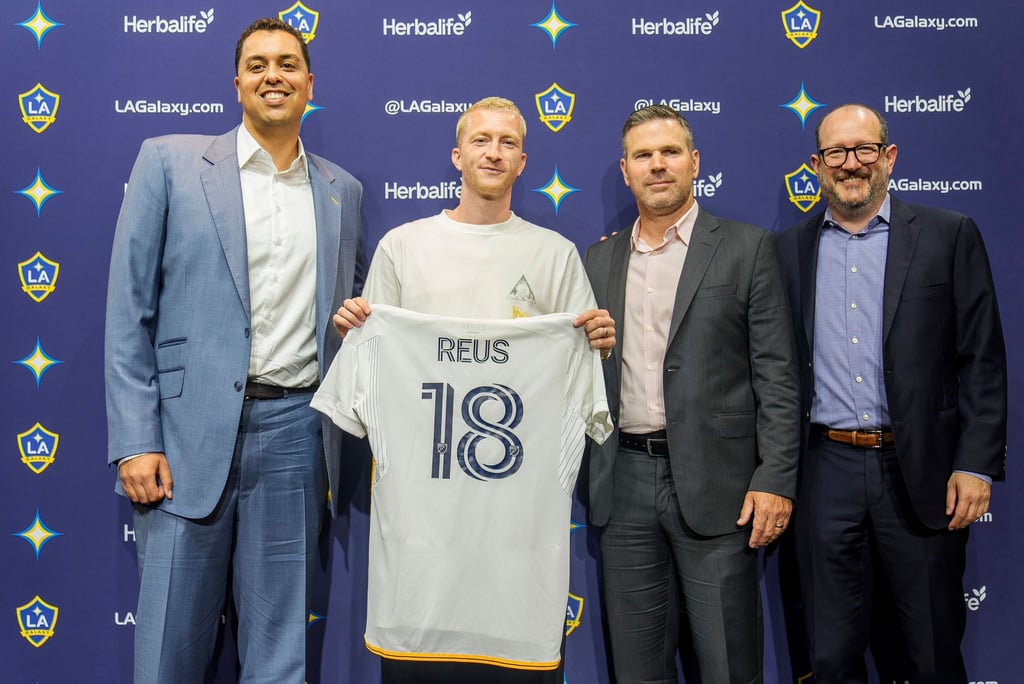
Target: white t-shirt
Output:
[(506, 270), (477, 430)]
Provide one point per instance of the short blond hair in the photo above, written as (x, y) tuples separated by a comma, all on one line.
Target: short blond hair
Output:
[(494, 104)]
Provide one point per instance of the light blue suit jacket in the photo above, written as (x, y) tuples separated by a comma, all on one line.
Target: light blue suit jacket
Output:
[(177, 339)]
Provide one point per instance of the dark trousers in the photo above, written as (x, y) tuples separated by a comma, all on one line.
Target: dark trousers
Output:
[(856, 535), (650, 558)]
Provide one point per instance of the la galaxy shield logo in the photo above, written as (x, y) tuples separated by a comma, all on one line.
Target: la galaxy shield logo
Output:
[(38, 447), (573, 613), (801, 23), (38, 276), (303, 19), (803, 188), (555, 107), (37, 619), (39, 108)]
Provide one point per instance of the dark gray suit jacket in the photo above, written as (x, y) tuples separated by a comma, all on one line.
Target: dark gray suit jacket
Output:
[(731, 386)]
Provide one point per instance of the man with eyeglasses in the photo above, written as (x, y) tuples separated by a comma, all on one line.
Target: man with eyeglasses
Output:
[(903, 404)]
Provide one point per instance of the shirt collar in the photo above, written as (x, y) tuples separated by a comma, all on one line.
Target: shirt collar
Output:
[(884, 212), (680, 230), (249, 151)]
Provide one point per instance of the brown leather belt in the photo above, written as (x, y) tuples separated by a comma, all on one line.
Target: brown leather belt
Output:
[(863, 439), (652, 444), (257, 390)]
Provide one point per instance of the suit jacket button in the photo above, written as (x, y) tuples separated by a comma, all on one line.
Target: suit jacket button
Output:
[(239, 386), (246, 333)]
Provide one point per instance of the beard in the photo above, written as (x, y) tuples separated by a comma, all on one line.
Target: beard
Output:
[(665, 202), (878, 181)]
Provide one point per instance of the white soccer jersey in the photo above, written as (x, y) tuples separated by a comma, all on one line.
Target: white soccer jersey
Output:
[(477, 430)]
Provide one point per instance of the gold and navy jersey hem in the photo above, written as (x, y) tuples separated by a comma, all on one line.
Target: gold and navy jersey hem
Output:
[(462, 658)]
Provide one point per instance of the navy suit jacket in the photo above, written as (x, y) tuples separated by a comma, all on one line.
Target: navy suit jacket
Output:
[(943, 357), (730, 379), (177, 339)]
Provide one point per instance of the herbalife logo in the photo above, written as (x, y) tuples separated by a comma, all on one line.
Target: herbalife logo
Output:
[(693, 26), (445, 190), (707, 187), (973, 598), (442, 26), (183, 24), (951, 102)]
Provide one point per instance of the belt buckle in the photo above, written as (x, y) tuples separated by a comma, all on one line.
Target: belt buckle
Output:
[(648, 442), (877, 434)]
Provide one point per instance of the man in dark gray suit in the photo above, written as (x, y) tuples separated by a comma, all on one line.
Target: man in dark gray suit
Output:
[(705, 395)]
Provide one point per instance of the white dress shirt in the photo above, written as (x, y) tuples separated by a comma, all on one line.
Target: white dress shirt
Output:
[(280, 231)]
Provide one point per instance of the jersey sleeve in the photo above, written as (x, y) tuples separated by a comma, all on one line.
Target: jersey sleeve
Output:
[(594, 402), (343, 389)]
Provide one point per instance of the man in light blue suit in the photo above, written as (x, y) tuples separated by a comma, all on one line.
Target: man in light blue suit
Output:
[(231, 254)]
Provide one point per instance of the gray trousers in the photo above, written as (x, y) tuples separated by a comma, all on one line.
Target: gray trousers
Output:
[(654, 566)]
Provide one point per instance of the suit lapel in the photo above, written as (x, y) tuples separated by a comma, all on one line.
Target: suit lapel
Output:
[(807, 247), (327, 208), (223, 186), (903, 234), (617, 291), (703, 244)]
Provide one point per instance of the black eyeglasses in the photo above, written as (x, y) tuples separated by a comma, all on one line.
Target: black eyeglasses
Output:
[(866, 153)]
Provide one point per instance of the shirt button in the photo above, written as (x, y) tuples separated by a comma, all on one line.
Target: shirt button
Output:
[(650, 367), (650, 289), (865, 416), (855, 340), (859, 379), (853, 269), (650, 328), (853, 305)]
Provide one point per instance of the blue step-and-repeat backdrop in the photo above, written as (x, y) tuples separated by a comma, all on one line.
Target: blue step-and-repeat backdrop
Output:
[(86, 82)]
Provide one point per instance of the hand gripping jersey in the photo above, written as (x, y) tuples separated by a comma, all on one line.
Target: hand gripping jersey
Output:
[(477, 430)]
